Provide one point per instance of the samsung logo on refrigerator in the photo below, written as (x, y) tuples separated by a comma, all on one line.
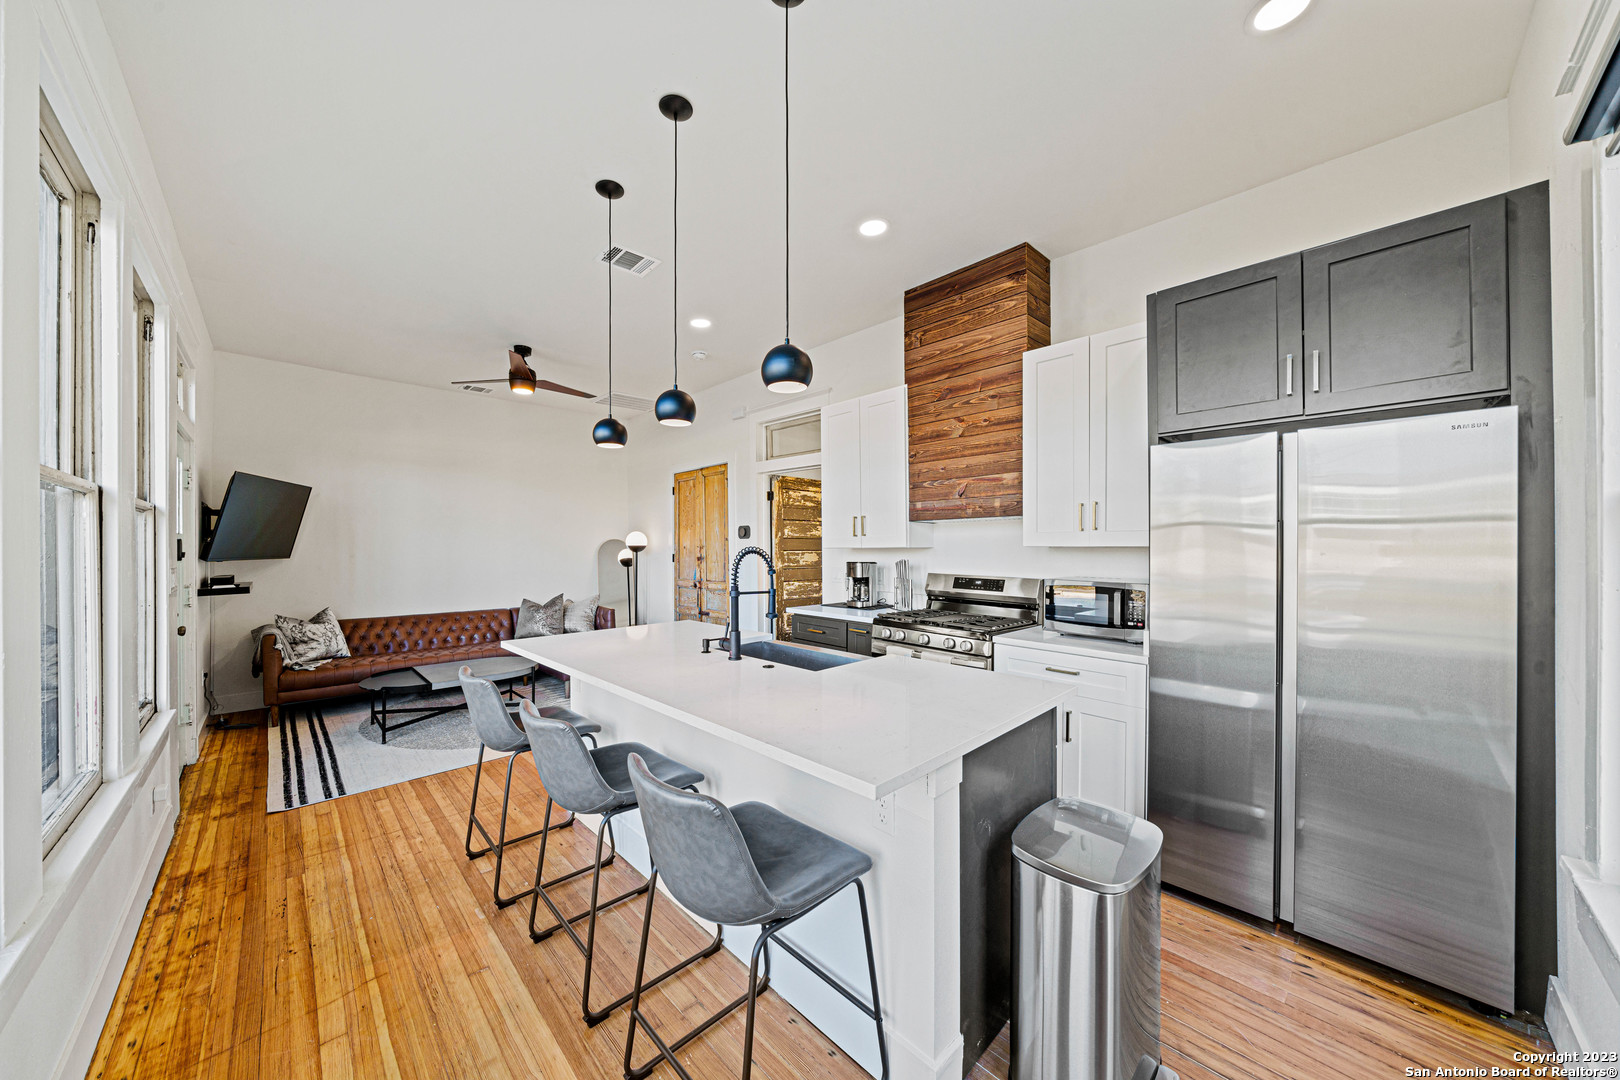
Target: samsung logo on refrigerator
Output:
[(1476, 424)]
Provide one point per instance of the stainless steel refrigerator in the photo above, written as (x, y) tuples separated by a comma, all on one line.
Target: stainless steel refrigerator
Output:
[(1332, 679)]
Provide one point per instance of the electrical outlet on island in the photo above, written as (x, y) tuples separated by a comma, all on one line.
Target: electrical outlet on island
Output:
[(883, 815)]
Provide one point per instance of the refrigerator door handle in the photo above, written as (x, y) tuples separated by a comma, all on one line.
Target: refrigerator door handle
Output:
[(1288, 676)]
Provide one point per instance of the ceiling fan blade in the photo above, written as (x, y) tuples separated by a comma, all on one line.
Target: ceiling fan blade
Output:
[(559, 388), (476, 382)]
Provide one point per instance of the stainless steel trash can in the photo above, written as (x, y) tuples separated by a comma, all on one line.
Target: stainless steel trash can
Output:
[(1086, 904)]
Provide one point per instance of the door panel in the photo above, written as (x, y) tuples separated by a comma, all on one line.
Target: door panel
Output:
[(1228, 347), (688, 546), (841, 474), (1212, 671), (716, 555), (1407, 683), (1409, 313), (1057, 456), (796, 541), (885, 498), (1119, 469)]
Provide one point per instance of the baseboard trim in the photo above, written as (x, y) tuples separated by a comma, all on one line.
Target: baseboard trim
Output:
[(1561, 1024)]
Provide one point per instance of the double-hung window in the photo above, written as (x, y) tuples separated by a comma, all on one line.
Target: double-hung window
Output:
[(146, 542), (69, 498)]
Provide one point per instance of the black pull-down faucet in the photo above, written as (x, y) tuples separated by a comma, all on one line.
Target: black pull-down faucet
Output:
[(734, 628)]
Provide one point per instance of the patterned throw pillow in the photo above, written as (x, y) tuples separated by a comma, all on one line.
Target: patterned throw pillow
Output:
[(581, 615), (303, 642), (540, 620)]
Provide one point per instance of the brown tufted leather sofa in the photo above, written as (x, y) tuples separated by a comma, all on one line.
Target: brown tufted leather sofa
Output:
[(389, 643)]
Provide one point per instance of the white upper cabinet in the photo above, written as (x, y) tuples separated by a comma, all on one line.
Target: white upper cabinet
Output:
[(1085, 442), (865, 474)]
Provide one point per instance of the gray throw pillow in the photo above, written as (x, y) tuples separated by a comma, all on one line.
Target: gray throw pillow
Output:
[(581, 615), (305, 641), (540, 620)]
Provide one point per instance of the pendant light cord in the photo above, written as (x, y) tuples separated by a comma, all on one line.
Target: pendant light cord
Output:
[(610, 308), (675, 305), (787, 181)]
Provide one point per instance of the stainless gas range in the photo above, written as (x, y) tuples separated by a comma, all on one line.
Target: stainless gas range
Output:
[(963, 616)]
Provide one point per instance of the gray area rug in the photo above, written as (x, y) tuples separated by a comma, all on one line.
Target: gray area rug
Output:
[(325, 750)]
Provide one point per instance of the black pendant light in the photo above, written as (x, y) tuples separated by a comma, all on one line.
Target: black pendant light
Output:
[(609, 433), (787, 368), (675, 407)]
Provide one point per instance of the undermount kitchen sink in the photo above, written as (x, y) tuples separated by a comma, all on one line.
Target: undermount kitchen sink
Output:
[(774, 652)]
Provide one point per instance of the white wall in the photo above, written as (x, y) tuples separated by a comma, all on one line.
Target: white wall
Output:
[(1582, 1010), (424, 500), (68, 919), (1095, 289)]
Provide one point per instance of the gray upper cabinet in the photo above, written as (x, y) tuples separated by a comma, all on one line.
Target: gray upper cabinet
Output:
[(1227, 349), (1414, 312)]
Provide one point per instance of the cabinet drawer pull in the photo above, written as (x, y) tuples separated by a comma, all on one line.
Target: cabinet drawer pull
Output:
[(863, 524), (1096, 516), (813, 630), (852, 519), (1316, 371), (1082, 517), (1068, 734), (1062, 671), (857, 630), (1289, 392)]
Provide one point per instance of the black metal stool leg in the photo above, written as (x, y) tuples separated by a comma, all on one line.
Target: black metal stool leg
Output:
[(537, 894)]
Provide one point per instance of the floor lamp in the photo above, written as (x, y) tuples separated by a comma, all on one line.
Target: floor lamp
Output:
[(636, 543), (626, 557)]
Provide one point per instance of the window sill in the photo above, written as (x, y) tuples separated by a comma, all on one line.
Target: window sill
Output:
[(1597, 914), (73, 861)]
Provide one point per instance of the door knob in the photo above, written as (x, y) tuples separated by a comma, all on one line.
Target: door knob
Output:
[(181, 631)]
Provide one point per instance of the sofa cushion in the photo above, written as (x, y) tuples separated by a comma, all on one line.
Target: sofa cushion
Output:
[(390, 635), (540, 620), (307, 641), (581, 615)]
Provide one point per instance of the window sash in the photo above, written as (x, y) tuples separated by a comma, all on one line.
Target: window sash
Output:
[(145, 636), (70, 656)]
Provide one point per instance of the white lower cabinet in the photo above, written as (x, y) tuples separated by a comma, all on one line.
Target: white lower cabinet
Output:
[(1102, 725)]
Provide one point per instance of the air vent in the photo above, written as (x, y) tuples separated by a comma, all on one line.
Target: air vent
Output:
[(479, 389), (627, 403), (633, 262)]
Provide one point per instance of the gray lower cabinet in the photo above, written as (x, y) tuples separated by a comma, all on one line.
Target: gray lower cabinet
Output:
[(1414, 312), (814, 630), (1226, 349), (859, 639)]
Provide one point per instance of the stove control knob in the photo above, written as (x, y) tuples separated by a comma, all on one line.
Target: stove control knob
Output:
[(950, 643), (965, 645), (883, 631), (923, 639)]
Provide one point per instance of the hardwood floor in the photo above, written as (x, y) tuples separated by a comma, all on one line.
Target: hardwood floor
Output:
[(354, 939)]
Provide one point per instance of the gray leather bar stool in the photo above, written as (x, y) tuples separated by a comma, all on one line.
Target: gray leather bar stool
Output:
[(747, 865), (498, 730), (594, 781)]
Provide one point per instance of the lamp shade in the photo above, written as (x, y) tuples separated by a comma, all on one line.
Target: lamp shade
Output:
[(626, 557), (636, 541), (610, 434), (521, 384), (787, 369), (675, 408)]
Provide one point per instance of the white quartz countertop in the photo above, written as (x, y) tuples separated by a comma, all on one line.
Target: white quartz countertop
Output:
[(847, 614), (871, 727), (1074, 643)]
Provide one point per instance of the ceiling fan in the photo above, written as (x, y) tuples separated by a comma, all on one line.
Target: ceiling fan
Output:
[(521, 377)]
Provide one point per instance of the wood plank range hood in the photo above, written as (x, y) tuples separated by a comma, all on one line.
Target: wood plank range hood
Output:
[(966, 335)]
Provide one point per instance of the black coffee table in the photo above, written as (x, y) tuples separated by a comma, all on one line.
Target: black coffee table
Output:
[(428, 677)]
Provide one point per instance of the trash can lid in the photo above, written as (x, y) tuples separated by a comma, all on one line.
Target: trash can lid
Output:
[(1094, 847)]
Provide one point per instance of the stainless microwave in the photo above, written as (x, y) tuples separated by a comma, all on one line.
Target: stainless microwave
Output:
[(1100, 609)]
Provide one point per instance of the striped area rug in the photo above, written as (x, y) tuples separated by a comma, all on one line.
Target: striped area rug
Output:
[(329, 749)]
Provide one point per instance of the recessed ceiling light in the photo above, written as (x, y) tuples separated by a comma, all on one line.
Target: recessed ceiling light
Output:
[(1275, 14), (700, 323), (875, 227)]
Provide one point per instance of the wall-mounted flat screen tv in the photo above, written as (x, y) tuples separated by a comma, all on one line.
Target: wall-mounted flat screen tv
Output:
[(258, 519)]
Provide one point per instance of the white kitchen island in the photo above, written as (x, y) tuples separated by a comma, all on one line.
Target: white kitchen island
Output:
[(888, 754)]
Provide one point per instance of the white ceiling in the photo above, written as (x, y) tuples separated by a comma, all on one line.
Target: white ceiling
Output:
[(404, 188)]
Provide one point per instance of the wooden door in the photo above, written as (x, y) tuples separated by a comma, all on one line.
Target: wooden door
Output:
[(702, 593), (1057, 443), (841, 473), (796, 541), (1410, 313), (1228, 348)]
